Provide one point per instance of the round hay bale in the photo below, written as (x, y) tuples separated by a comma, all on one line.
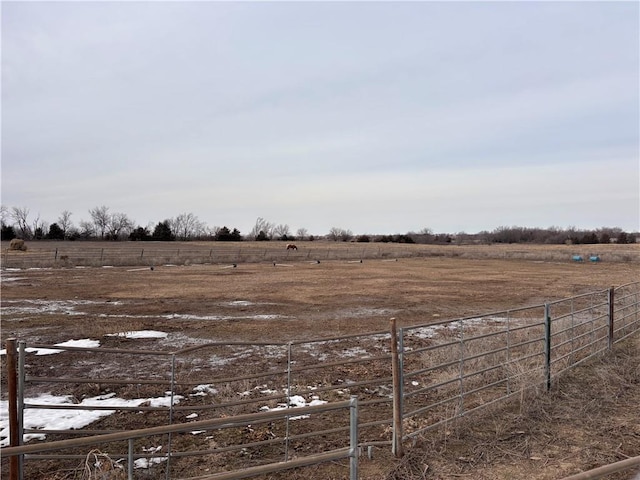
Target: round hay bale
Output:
[(18, 244)]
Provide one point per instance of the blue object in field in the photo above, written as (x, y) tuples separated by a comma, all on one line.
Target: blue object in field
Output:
[(577, 258), (594, 258)]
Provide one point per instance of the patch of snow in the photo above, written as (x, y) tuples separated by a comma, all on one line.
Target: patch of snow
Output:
[(84, 343), (42, 418), (148, 462), (295, 401), (178, 316), (51, 307), (205, 389), (240, 303), (354, 352), (139, 334), (268, 392)]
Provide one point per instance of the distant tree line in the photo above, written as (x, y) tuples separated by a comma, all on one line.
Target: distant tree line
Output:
[(103, 224)]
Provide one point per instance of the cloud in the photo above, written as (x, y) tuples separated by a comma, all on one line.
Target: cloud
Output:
[(324, 113)]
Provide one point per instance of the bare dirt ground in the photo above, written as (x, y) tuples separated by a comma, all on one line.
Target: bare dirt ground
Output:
[(574, 427)]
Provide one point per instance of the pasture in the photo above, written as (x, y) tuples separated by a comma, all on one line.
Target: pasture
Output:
[(263, 292)]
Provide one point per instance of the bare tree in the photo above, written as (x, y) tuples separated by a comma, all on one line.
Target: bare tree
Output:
[(261, 226), (186, 225), (101, 219), (64, 222), (20, 215), (346, 235), (119, 224), (281, 231), (87, 229), (334, 233), (4, 214), (302, 233), (39, 228)]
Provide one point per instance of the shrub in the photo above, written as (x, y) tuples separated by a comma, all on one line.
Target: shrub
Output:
[(7, 232)]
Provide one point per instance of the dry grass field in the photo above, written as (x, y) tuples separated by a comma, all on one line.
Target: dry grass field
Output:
[(331, 289)]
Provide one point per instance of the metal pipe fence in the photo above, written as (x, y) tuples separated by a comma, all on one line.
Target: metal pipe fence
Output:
[(453, 368), (240, 421), (234, 378), (626, 304), (579, 330), (408, 381)]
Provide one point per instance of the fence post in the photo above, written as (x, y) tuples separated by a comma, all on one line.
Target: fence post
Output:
[(286, 440), (611, 301), (22, 345), (173, 389), (130, 460), (55, 257), (353, 438), (396, 446), (547, 345), (12, 391)]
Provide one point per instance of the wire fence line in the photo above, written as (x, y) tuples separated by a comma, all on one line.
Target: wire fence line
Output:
[(45, 254), (231, 253), (443, 371)]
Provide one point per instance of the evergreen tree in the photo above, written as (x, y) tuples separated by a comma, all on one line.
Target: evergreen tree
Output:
[(163, 233), (7, 232), (140, 234), (55, 232)]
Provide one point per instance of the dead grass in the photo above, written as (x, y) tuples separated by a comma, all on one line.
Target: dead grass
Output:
[(337, 298), (589, 419)]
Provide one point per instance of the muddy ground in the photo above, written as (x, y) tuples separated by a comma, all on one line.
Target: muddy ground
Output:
[(573, 428)]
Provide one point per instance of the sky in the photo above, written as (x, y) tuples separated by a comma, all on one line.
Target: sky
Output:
[(376, 117)]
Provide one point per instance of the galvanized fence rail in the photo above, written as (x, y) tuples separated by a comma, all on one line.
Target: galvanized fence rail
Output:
[(454, 368), (408, 381), (220, 379), (350, 451), (626, 304)]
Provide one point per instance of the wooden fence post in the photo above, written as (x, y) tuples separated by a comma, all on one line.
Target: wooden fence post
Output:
[(396, 446), (12, 391)]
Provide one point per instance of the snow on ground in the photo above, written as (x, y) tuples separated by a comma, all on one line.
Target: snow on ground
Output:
[(71, 307), (47, 419), (296, 401), (139, 334), (84, 343), (432, 331), (11, 279), (40, 307)]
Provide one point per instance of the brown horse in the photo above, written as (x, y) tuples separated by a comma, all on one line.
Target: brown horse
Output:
[(291, 246)]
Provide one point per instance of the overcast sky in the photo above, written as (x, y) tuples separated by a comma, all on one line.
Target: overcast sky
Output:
[(374, 117)]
